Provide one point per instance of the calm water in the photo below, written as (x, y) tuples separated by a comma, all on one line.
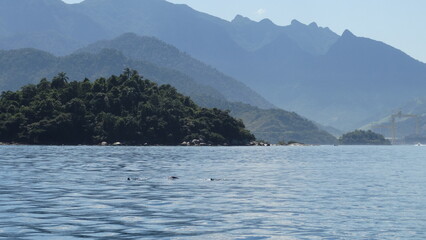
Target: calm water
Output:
[(258, 192)]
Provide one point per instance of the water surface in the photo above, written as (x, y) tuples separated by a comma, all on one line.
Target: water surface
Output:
[(326, 192)]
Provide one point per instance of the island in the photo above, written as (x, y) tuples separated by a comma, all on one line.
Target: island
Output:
[(361, 137), (125, 109)]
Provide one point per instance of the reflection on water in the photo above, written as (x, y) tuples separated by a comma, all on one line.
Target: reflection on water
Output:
[(222, 192)]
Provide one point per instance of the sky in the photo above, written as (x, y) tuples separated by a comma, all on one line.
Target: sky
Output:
[(399, 23)]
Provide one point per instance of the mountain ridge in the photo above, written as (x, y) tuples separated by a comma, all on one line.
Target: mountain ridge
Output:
[(79, 66), (316, 72), (157, 52)]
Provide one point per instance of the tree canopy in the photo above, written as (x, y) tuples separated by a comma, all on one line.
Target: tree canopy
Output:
[(125, 108), (361, 137)]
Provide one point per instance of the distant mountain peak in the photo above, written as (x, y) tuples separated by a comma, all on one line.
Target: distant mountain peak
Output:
[(294, 22), (348, 33), (267, 21), (313, 25), (241, 19)]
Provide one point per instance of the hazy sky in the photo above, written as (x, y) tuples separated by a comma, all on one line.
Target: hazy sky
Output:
[(400, 23)]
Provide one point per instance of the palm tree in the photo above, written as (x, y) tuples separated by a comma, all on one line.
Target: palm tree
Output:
[(60, 80)]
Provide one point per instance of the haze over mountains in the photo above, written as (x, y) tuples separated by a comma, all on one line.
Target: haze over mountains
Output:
[(24, 66), (410, 122), (154, 51), (341, 81), (28, 66)]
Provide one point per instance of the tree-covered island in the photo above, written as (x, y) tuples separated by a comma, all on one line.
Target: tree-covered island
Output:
[(361, 137), (125, 108)]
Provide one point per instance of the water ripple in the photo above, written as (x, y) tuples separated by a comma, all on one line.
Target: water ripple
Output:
[(61, 192)]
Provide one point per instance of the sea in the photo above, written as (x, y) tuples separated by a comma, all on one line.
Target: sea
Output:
[(244, 193)]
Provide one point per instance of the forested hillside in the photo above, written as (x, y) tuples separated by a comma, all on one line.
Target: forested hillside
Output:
[(361, 137), (274, 125), (24, 66), (125, 108), (339, 81), (410, 122), (149, 49)]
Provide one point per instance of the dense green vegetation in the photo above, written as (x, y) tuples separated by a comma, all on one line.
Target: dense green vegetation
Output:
[(360, 137), (125, 108), (273, 125), (23, 66), (308, 68)]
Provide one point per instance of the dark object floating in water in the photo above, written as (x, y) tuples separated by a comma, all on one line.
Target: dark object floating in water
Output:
[(128, 179), (213, 179), (173, 178)]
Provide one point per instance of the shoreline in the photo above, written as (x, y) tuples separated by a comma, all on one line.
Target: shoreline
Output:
[(155, 145)]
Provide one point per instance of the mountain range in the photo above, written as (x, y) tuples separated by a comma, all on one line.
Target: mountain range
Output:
[(26, 66), (343, 81), (157, 52)]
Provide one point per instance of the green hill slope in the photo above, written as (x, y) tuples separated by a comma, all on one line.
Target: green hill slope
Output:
[(360, 137), (161, 54), (24, 66), (410, 122), (303, 68), (274, 125), (126, 108), (270, 125)]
